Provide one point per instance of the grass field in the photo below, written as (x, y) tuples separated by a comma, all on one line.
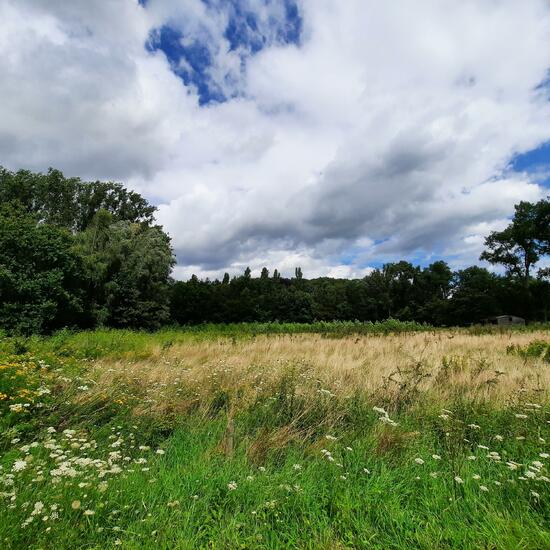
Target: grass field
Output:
[(392, 436)]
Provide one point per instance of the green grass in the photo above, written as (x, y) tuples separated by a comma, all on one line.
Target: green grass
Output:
[(266, 476)]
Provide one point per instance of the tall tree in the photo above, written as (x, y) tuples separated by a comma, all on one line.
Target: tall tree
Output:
[(128, 266), (518, 247), (41, 280), (70, 202)]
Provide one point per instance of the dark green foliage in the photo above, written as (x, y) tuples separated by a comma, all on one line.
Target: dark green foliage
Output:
[(69, 202), (128, 267), (76, 254), (80, 254), (41, 283), (521, 244)]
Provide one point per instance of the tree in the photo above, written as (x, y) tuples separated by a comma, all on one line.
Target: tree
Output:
[(476, 295), (520, 245), (128, 267), (41, 282), (69, 202)]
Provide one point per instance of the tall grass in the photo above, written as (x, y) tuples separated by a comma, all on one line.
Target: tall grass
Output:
[(413, 440)]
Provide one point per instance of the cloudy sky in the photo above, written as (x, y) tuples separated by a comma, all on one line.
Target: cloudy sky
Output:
[(335, 135)]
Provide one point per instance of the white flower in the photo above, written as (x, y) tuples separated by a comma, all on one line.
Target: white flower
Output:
[(483, 447), (89, 512), (160, 451), (18, 466), (472, 457), (474, 426), (521, 416), (535, 494), (483, 488), (499, 437), (232, 485), (459, 479), (544, 455), (297, 467), (436, 457), (476, 476), (537, 464), (419, 461)]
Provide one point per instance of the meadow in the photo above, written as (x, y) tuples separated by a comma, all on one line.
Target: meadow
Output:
[(323, 436)]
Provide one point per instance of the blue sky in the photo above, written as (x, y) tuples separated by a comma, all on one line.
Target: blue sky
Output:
[(334, 135), (191, 59)]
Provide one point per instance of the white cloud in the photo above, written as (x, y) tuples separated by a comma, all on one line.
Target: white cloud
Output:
[(386, 133)]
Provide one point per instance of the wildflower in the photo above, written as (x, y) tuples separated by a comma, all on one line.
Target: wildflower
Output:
[(419, 461), (544, 455), (349, 449), (331, 437), (518, 415), (538, 464), (483, 447), (483, 488), (472, 457), (474, 426), (232, 485), (75, 504), (444, 416), (476, 476), (530, 474), (261, 469), (434, 474), (436, 457), (89, 512), (18, 466), (535, 494), (459, 480), (160, 451), (297, 467), (366, 471), (499, 437)]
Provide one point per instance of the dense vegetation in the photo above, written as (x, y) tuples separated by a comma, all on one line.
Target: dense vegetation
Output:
[(188, 439), (86, 254)]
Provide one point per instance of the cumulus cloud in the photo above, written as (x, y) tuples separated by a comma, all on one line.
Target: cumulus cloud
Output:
[(331, 135)]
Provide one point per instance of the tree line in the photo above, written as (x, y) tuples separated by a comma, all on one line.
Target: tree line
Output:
[(86, 254)]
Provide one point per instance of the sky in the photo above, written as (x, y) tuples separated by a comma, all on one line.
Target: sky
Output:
[(332, 135)]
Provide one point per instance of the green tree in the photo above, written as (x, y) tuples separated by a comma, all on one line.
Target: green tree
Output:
[(41, 283), (70, 202), (519, 247), (128, 266)]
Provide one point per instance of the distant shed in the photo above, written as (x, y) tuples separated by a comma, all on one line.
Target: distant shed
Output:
[(505, 320)]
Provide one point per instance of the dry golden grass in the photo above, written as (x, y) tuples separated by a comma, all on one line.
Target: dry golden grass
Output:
[(226, 373)]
